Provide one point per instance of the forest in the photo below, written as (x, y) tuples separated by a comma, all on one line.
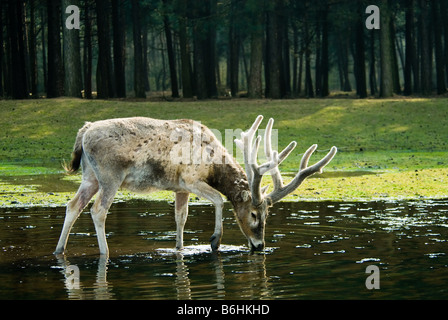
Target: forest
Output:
[(222, 48)]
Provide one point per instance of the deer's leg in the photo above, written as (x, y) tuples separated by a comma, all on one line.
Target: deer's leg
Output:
[(202, 189), (99, 212), (86, 191), (181, 213)]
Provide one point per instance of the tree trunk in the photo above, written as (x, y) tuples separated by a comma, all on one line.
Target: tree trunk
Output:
[(425, 55), (273, 64), (87, 57), (410, 51), (255, 86), (199, 53), (343, 49), (144, 28), (72, 56), (295, 60), (139, 75), (2, 64), (210, 44), (205, 49), (234, 46), (440, 61), (386, 89), (325, 68), (309, 92), (44, 46), (372, 72), (32, 49), (104, 75), (318, 60), (55, 80), (119, 47), (171, 56), (393, 54), (299, 76), (284, 47), (444, 13), (360, 58), (255, 90), (199, 69), (186, 72)]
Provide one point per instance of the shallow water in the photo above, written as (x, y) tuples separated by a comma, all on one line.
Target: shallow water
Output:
[(315, 250)]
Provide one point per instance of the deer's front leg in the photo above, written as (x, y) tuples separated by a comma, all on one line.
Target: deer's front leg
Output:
[(181, 214), (215, 239), (202, 189)]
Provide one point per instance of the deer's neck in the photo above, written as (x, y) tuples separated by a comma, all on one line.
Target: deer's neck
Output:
[(229, 179)]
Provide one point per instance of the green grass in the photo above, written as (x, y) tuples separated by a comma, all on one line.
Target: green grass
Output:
[(389, 139)]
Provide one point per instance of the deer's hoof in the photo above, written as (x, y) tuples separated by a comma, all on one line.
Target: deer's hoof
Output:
[(215, 241)]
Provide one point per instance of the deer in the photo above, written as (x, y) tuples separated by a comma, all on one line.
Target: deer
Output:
[(144, 155)]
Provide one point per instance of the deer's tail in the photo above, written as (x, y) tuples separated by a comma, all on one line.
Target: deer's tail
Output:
[(75, 163)]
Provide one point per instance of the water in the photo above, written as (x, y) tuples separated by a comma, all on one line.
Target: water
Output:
[(316, 250)]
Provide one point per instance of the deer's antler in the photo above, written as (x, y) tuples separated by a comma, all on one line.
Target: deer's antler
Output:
[(255, 172)]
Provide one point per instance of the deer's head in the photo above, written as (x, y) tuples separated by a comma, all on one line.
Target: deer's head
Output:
[(253, 209)]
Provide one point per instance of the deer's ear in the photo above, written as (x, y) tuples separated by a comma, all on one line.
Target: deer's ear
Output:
[(245, 195)]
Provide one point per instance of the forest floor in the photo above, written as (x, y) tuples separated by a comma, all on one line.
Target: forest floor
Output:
[(388, 149)]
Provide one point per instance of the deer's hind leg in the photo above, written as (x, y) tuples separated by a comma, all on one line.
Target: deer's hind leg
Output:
[(87, 189), (99, 213)]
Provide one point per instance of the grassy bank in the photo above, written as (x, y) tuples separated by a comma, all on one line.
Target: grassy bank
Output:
[(387, 148)]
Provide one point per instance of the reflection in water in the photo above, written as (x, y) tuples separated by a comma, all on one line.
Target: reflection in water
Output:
[(75, 289), (182, 282), (255, 279), (254, 282), (316, 250)]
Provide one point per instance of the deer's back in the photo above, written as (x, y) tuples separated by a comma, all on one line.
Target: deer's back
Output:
[(150, 153)]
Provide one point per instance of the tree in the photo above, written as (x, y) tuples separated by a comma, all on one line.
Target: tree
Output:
[(204, 41), (170, 50), (273, 63), (275, 46), (359, 54), (234, 47), (72, 56), (410, 48), (186, 69), (425, 48), (444, 22), (309, 91), (139, 74), (32, 49), (325, 64), (386, 84), (119, 47), (393, 54), (87, 55), (55, 82), (322, 63), (104, 75), (440, 60), (255, 89)]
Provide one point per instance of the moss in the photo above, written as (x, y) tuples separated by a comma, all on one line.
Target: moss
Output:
[(381, 142)]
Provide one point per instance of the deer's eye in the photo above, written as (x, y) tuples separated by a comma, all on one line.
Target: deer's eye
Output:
[(254, 215)]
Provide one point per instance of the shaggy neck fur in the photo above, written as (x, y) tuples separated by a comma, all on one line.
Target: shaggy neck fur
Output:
[(231, 180)]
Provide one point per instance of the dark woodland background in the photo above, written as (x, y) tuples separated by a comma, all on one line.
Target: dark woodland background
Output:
[(214, 48)]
